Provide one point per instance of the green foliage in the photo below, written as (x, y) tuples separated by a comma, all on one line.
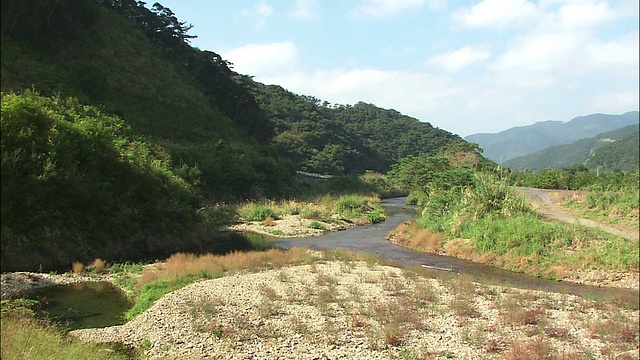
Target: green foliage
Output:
[(24, 336), (417, 197), (317, 225), (153, 291), (351, 205), (257, 212), (427, 174), (376, 216), (576, 177), (616, 206), (496, 220), (73, 178)]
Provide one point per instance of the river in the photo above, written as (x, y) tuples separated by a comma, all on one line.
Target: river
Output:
[(371, 239)]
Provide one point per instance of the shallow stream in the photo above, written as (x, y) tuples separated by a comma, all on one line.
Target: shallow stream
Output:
[(371, 239)]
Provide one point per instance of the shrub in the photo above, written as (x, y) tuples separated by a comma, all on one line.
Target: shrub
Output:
[(317, 225), (375, 217), (253, 212)]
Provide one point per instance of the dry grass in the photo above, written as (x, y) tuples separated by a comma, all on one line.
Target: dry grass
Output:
[(269, 221), (213, 266), (535, 349), (98, 265), (77, 267)]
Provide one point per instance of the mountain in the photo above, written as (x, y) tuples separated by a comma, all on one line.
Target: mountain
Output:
[(622, 155), (614, 150), (525, 140), (119, 138)]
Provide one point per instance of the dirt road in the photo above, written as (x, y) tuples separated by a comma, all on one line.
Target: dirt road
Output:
[(547, 202)]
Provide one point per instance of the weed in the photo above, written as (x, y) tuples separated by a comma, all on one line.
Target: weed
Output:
[(317, 225), (283, 276), (77, 267), (267, 308), (269, 221), (534, 349), (475, 337), (97, 266), (257, 212), (269, 292), (557, 332)]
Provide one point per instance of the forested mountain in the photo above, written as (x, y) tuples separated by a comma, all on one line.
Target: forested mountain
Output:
[(118, 135), (525, 140), (614, 150), (622, 155), (342, 139)]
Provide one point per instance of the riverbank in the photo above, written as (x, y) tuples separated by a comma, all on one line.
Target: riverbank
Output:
[(361, 310)]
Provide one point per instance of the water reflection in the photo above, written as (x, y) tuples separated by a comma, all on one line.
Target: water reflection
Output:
[(84, 305)]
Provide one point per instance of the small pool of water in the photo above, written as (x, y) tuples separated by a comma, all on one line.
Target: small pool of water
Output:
[(84, 305)]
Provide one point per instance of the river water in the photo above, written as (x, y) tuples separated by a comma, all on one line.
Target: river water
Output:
[(371, 239)]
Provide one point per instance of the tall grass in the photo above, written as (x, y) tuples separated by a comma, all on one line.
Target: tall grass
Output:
[(26, 337), (502, 230), (615, 206), (323, 207)]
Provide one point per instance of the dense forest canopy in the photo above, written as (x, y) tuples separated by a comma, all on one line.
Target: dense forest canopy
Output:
[(344, 139)]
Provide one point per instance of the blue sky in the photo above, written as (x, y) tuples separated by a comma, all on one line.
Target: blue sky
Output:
[(464, 66)]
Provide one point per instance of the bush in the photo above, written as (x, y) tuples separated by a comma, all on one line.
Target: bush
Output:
[(351, 205), (317, 225), (258, 213), (375, 217)]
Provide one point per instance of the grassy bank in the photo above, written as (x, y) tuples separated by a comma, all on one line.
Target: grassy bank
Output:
[(27, 335), (491, 223), (613, 206)]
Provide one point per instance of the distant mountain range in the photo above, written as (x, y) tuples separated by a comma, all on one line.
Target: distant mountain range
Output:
[(525, 140), (614, 150)]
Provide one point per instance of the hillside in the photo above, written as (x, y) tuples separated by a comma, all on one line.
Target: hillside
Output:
[(343, 139), (621, 155), (614, 150), (119, 138), (525, 140)]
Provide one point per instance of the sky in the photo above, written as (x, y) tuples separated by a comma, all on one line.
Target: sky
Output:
[(464, 66)]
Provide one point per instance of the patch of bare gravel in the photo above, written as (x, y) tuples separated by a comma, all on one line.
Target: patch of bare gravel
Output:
[(292, 226), (17, 283), (355, 310)]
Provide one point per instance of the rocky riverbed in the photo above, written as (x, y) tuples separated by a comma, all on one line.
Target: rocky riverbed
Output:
[(358, 310)]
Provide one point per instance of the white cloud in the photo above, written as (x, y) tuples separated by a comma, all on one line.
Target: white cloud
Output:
[(260, 59), (619, 54), (498, 14), (458, 59), (259, 13), (616, 102), (540, 52), (576, 15), (382, 8), (304, 9), (413, 93)]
